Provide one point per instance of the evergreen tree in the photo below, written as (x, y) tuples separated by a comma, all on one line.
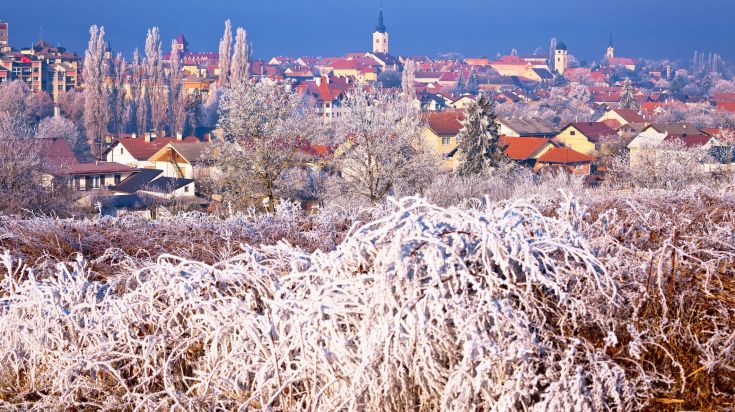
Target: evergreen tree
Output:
[(627, 98), (460, 86), (478, 142), (473, 84)]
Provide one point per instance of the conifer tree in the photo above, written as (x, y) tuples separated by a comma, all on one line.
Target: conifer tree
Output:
[(473, 83), (478, 142), (627, 98)]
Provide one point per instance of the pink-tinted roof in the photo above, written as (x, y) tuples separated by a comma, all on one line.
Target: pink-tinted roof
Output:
[(142, 150)]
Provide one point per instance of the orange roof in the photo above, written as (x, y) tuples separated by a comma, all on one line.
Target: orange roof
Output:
[(445, 122), (629, 115), (564, 155), (522, 148)]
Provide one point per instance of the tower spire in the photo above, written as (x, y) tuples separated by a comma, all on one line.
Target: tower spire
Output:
[(380, 28), (610, 43)]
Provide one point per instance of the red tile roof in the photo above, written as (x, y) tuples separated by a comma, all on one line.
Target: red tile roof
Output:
[(724, 97), (445, 122), (99, 167), (629, 115), (564, 155), (522, 148), (689, 140), (56, 154), (726, 106)]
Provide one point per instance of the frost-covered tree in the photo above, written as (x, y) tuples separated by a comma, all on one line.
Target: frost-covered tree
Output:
[(117, 96), (267, 126), (155, 84), (53, 128), (178, 98), (71, 106), (473, 83), (478, 143), (240, 67), (225, 48), (23, 105), (408, 79), (627, 97), (96, 92), (460, 86), (382, 152), (138, 96)]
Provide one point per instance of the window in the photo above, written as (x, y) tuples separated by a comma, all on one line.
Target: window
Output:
[(117, 179), (572, 133), (446, 140), (186, 189), (121, 150)]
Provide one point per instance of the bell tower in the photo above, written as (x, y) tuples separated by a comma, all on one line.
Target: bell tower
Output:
[(380, 36), (610, 53)]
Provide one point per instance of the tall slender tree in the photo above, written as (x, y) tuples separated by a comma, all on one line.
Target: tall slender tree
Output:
[(408, 79), (96, 97), (478, 142), (225, 48), (177, 96), (118, 102), (240, 58), (155, 82)]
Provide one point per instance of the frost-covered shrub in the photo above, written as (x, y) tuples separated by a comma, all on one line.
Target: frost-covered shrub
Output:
[(427, 307)]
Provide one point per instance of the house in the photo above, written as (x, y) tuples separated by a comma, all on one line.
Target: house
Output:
[(525, 150), (180, 160), (328, 94), (98, 175), (526, 126), (135, 151), (440, 134), (655, 134), (170, 187), (617, 118), (462, 102), (568, 159), (584, 137), (136, 181)]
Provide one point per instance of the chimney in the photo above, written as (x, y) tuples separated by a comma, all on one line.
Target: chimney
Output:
[(318, 81), (134, 136), (147, 137), (179, 136), (57, 111)]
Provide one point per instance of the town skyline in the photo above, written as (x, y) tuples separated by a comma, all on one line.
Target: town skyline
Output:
[(346, 27)]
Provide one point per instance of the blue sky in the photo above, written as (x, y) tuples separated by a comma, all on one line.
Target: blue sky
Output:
[(641, 28)]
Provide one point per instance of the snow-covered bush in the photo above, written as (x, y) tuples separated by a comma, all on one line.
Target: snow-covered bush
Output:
[(625, 304)]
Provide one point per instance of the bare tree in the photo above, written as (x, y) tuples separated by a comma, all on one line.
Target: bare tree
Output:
[(382, 153), (240, 58), (408, 79), (267, 126), (225, 48), (54, 128), (155, 82), (96, 94), (138, 95), (117, 93), (178, 98)]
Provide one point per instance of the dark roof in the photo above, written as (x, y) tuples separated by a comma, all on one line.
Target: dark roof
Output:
[(122, 201), (135, 182), (530, 126), (561, 46), (543, 74), (166, 184), (98, 167), (593, 130)]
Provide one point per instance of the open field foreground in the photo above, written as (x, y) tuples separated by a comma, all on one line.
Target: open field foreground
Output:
[(584, 303)]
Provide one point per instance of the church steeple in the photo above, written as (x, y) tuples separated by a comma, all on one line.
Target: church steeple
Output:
[(380, 36), (610, 43), (380, 28), (610, 53)]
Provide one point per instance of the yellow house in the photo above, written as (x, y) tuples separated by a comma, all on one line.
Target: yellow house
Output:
[(179, 160), (440, 134), (584, 137)]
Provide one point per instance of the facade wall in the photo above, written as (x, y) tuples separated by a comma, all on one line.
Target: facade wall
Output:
[(576, 140)]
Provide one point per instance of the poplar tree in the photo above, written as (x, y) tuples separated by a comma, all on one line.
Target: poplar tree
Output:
[(478, 142), (240, 65), (225, 47), (178, 101), (155, 83), (408, 80), (96, 98)]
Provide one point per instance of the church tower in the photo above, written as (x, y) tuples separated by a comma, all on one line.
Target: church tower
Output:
[(561, 58), (610, 53), (380, 37)]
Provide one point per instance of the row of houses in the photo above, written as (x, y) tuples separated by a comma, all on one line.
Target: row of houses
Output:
[(574, 147)]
